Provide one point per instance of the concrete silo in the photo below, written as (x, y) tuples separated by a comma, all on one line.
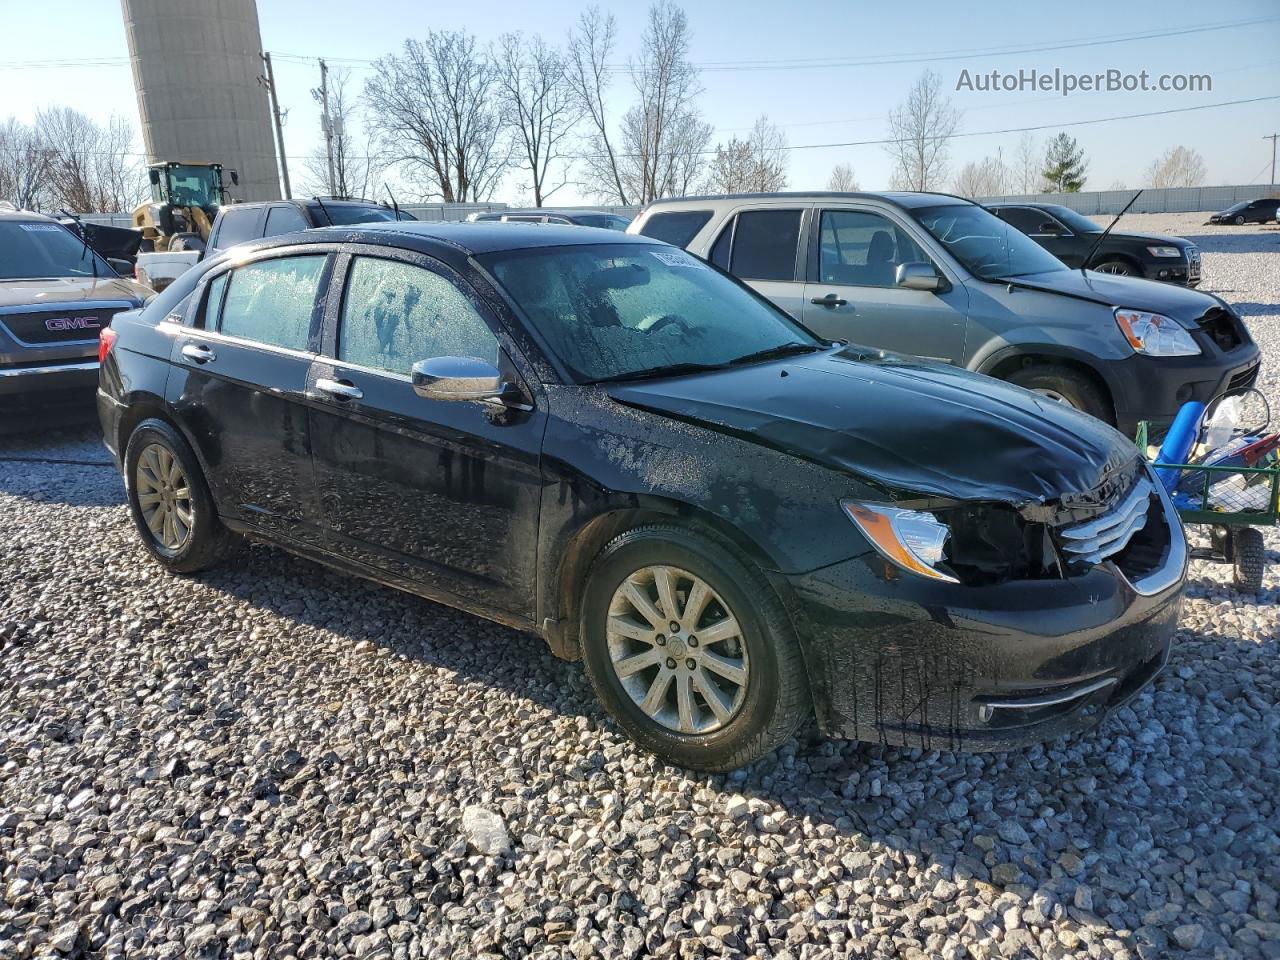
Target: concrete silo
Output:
[(196, 65)]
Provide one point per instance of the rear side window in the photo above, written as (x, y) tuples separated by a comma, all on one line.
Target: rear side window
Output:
[(720, 252), (172, 298), (273, 301), (284, 219), (765, 244), (237, 226), (395, 314), (678, 228)]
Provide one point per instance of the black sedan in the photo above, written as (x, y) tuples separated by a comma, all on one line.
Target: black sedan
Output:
[(1249, 211), (601, 439), (1073, 238)]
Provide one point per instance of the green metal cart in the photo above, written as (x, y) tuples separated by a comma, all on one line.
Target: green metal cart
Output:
[(1232, 515)]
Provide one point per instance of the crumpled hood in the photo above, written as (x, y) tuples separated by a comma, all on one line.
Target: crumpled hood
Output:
[(908, 424), (1181, 303), (69, 290)]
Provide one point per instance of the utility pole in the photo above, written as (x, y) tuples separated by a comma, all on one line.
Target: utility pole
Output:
[(1272, 138), (326, 125), (270, 83)]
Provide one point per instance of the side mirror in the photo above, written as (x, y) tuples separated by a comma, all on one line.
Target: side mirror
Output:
[(154, 176), (457, 378), (1048, 227), (918, 276), (235, 179), (123, 268)]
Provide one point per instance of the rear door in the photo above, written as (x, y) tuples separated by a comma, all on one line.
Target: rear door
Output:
[(238, 382), (852, 291), (763, 248), (235, 225), (283, 218), (445, 493)]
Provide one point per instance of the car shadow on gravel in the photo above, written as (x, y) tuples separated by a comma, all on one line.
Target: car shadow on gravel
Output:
[(56, 462)]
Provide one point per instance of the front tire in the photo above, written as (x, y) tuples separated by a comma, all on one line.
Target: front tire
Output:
[(1238, 220), (170, 502), (1118, 268), (690, 649), (1067, 387)]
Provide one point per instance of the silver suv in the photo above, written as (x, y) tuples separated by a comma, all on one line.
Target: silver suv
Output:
[(940, 277)]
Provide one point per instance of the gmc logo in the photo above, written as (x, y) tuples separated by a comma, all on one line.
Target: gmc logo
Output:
[(72, 323)]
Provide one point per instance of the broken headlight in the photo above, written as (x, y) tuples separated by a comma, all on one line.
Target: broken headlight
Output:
[(911, 539)]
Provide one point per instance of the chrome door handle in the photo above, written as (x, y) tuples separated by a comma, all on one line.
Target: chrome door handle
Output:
[(830, 300), (341, 389), (198, 353)]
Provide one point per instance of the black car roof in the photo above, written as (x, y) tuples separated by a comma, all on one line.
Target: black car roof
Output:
[(483, 236)]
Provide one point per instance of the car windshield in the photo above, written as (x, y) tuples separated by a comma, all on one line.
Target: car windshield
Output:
[(1076, 222), (616, 311), (1236, 207), (990, 248), (36, 250), (606, 220), (343, 215)]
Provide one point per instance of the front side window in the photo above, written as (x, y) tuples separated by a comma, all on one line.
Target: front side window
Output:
[(1075, 222), (764, 245), (612, 310), (863, 249), (285, 218), (395, 314), (987, 246), (273, 301), (1024, 218)]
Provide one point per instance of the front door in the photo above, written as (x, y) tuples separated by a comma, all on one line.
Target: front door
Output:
[(444, 493), (238, 381), (853, 295)]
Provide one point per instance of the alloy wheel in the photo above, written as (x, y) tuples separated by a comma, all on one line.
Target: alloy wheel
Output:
[(1115, 267), (677, 649), (164, 497), (1055, 396)]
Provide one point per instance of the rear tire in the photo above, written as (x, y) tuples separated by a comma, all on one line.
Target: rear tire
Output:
[(1249, 559), (756, 712), (170, 501), (1065, 386)]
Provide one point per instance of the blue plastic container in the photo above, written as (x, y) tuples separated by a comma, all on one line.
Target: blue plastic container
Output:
[(1179, 441)]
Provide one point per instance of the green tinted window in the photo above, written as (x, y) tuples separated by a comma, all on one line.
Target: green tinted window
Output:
[(395, 314), (273, 301)]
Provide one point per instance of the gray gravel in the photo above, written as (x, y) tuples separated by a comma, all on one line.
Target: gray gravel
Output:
[(276, 761)]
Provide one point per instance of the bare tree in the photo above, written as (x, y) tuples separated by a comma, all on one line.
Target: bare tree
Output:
[(757, 164), (1179, 167), (356, 163), (540, 107), (663, 137), (920, 128), (843, 179), (436, 107), (988, 177), (24, 165), (1026, 175), (90, 167), (590, 47)]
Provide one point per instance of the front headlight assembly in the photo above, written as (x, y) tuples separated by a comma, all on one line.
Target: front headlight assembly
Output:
[(1154, 334), (1164, 252), (910, 539)]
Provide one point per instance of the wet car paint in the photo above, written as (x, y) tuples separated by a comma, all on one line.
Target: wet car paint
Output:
[(500, 513)]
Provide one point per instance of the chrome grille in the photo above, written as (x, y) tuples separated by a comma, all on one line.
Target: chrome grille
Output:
[(1094, 540), (1193, 263)]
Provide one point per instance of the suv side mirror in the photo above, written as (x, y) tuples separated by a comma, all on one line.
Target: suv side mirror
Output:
[(457, 378), (918, 276), (235, 178)]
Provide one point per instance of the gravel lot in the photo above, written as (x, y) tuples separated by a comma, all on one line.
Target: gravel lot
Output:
[(278, 761)]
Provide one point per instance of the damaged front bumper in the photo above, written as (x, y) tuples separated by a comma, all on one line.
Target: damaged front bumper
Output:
[(900, 660)]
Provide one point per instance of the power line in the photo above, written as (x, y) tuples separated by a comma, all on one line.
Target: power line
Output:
[(866, 143)]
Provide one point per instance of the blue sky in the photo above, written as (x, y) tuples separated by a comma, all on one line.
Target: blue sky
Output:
[(813, 105)]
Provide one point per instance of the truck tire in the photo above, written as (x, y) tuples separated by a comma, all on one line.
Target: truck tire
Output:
[(1065, 386), (649, 595)]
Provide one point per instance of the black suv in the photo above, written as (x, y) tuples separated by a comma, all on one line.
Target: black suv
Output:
[(601, 439), (1071, 236), (241, 222), (1249, 211)]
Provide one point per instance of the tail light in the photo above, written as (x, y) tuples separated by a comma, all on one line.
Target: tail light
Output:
[(106, 340)]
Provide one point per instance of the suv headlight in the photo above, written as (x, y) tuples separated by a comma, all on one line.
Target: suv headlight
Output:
[(910, 539), (1154, 334), (1164, 252)]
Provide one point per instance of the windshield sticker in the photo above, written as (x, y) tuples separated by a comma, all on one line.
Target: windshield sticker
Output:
[(41, 227), (673, 259)]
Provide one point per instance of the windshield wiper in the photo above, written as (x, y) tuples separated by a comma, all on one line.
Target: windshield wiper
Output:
[(666, 370), (773, 353)]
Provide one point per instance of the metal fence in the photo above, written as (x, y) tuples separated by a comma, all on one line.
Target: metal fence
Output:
[(431, 212), (1165, 200)]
